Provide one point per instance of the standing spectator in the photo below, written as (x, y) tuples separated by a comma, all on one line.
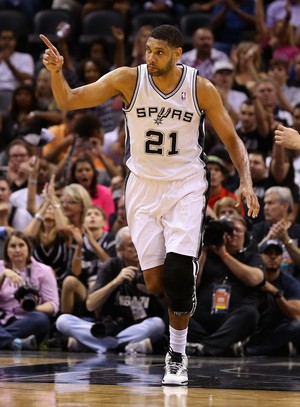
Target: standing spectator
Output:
[(16, 68), (126, 313), (24, 325), (279, 306), (203, 56)]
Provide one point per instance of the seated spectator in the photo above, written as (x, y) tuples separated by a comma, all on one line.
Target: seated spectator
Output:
[(279, 306), (226, 207), (247, 64), (89, 141), (279, 40), (277, 10), (137, 55), (118, 220), (46, 105), (114, 143), (231, 272), (126, 314), (223, 75), (55, 151), (16, 68), (218, 172), (39, 172), (75, 200), (83, 172), (203, 56), (278, 70), (278, 203), (17, 156), (261, 180), (270, 96), (253, 128), (49, 243), (232, 21), (21, 118), (294, 74), (11, 216), (25, 324), (94, 247)]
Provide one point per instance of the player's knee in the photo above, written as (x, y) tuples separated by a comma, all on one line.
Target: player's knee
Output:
[(179, 282)]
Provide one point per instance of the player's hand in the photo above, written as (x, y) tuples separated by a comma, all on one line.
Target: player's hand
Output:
[(52, 59), (287, 137), (246, 191)]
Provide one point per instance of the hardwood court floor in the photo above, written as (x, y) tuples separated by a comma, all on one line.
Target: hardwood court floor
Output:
[(57, 379)]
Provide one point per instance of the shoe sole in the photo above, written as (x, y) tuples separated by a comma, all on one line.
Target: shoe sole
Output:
[(173, 382)]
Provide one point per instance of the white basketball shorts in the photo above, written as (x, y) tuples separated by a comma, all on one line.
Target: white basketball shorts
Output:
[(165, 216)]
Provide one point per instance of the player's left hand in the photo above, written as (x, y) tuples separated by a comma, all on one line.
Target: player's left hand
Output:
[(246, 192)]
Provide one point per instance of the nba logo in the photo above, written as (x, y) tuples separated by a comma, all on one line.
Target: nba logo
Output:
[(183, 95)]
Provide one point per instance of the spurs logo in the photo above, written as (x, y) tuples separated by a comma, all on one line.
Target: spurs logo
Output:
[(161, 115)]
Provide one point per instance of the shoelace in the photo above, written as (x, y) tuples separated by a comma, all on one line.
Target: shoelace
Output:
[(174, 367)]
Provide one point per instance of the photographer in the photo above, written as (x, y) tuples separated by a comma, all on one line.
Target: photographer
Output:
[(127, 313), (230, 276), (28, 296)]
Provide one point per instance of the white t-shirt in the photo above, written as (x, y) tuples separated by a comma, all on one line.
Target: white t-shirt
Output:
[(23, 62)]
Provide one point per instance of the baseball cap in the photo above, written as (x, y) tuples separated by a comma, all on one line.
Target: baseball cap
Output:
[(271, 243), (213, 159), (222, 65)]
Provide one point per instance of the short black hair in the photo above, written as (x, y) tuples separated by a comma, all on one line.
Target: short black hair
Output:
[(169, 33)]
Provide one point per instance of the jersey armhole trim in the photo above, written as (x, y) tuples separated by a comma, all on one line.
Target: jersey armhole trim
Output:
[(135, 93)]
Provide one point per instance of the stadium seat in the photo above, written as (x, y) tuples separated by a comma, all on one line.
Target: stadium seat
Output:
[(190, 22), (5, 100), (97, 24), (149, 17), (11, 19)]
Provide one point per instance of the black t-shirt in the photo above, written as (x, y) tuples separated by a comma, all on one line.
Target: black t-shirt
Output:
[(124, 299), (216, 272)]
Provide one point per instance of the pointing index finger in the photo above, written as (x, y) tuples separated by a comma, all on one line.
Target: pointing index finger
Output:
[(49, 44)]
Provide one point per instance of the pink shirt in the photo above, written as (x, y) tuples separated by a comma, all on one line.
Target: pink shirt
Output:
[(42, 277), (105, 200)]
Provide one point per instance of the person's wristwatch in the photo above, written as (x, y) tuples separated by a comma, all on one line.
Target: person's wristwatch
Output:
[(278, 294)]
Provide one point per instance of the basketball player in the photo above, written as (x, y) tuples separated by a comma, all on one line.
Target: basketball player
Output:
[(167, 186), (287, 137)]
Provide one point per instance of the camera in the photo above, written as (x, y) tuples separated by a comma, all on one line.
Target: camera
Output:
[(214, 231), (107, 327), (29, 296)]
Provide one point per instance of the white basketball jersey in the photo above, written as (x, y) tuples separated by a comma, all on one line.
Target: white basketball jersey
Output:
[(164, 132)]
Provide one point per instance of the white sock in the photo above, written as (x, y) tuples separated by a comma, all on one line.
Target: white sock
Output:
[(178, 339)]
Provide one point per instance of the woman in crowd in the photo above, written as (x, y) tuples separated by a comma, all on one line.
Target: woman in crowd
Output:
[(24, 322), (83, 172)]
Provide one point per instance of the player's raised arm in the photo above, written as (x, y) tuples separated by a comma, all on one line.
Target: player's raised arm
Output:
[(211, 102), (108, 86)]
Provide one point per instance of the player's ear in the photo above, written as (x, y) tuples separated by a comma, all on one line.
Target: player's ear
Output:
[(178, 52)]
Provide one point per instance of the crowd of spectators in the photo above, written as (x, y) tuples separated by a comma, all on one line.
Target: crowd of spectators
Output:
[(63, 229)]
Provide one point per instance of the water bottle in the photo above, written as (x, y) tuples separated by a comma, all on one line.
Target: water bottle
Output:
[(63, 29)]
